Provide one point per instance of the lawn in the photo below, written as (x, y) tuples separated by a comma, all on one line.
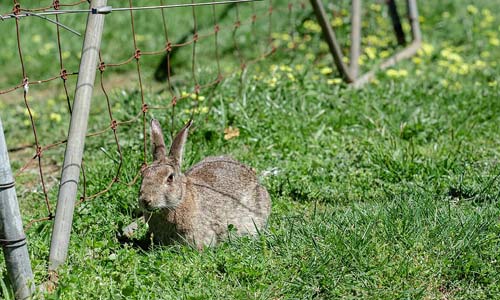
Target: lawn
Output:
[(386, 192)]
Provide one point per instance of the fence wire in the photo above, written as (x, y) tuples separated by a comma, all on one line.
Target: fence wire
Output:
[(263, 46)]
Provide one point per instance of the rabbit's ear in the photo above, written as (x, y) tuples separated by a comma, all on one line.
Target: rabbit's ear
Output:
[(177, 148), (159, 151)]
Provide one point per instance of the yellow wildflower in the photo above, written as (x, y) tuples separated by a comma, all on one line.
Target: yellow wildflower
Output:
[(396, 73), (471, 9), (494, 41), (426, 49), (375, 7), (326, 70), (310, 56), (272, 82), (285, 68), (285, 37), (312, 26), (450, 55), (417, 60), (34, 114), (480, 64), (323, 46), (361, 59), (336, 22), (384, 54), (140, 37), (371, 52), (392, 73), (334, 81), (299, 67), (485, 54), (55, 117), (36, 38)]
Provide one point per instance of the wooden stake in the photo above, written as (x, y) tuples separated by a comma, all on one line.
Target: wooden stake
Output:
[(331, 40), (396, 22), (355, 37)]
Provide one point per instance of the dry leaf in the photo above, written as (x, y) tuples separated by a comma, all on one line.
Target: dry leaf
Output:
[(231, 132)]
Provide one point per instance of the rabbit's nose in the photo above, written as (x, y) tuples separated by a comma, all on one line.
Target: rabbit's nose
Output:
[(144, 203)]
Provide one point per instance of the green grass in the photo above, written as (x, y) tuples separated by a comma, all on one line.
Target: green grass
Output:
[(388, 192)]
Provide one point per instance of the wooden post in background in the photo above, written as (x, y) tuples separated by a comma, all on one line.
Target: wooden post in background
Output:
[(396, 22), (331, 40), (355, 37), (76, 138), (12, 235)]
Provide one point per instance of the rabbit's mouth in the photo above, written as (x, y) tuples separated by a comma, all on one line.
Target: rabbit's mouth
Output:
[(148, 208)]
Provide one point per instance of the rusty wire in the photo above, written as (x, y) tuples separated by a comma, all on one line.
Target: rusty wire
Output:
[(135, 58)]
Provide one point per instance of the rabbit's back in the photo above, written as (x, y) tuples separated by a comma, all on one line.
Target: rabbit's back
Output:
[(228, 193)]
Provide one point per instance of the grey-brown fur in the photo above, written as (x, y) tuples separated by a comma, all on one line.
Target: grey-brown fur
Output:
[(198, 207)]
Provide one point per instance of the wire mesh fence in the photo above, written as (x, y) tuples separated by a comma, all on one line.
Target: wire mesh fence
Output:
[(163, 60), (188, 52)]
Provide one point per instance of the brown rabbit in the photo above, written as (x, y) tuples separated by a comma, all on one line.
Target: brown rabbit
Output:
[(199, 206)]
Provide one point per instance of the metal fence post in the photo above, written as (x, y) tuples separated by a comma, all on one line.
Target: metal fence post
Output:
[(76, 138), (12, 235)]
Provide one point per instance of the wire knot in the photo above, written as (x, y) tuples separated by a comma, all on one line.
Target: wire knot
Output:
[(254, 18), (56, 4), (197, 89), (237, 24), (174, 100), (102, 66), (38, 152), (216, 28), (137, 54), (144, 108), (114, 124), (64, 74), (271, 10), (168, 47), (195, 37), (17, 9), (26, 84)]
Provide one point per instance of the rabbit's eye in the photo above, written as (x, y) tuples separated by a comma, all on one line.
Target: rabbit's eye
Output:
[(170, 177)]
